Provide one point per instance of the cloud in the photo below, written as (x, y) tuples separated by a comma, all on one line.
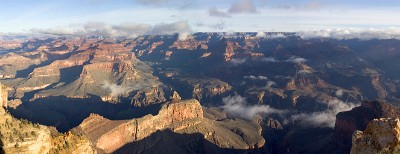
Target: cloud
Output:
[(261, 34), (270, 84), (243, 6), (153, 2), (214, 12), (175, 4), (269, 59), (133, 27), (183, 36), (56, 31), (275, 36), (237, 61), (353, 33), (252, 77), (324, 118), (124, 29), (171, 28), (219, 25), (296, 60), (290, 60), (312, 5), (309, 5), (339, 93), (237, 107), (114, 89), (304, 71)]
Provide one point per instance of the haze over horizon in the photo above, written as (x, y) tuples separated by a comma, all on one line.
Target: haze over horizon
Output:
[(176, 16)]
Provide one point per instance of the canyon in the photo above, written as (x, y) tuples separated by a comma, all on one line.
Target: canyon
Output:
[(209, 93)]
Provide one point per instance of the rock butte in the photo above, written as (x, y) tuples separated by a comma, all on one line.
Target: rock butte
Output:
[(380, 136), (174, 116)]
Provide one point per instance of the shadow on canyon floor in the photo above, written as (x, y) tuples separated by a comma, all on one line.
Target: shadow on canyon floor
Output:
[(66, 113), (167, 141), (1, 147)]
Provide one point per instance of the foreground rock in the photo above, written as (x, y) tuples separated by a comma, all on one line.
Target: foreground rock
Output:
[(357, 119), (24, 137), (177, 120), (380, 136)]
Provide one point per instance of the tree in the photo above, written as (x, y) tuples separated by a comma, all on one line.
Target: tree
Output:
[(33, 133)]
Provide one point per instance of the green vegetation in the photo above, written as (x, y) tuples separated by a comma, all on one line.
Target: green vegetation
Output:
[(14, 132)]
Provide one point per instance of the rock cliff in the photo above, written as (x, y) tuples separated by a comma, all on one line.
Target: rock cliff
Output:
[(24, 137), (3, 96), (178, 117), (357, 119), (380, 136), (174, 116)]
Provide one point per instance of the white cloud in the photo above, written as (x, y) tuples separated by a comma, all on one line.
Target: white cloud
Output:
[(236, 106), (260, 34), (219, 25), (304, 71), (183, 36), (339, 93), (171, 28), (214, 12), (324, 118), (252, 77), (237, 61), (353, 33), (167, 3), (296, 60), (269, 59), (292, 59), (124, 29), (276, 36), (243, 6), (114, 89), (270, 84), (153, 2)]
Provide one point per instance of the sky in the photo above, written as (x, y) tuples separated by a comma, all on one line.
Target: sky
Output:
[(169, 16)]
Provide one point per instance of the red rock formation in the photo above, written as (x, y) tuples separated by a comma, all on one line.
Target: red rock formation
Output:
[(230, 49), (381, 136), (174, 116), (358, 118), (3, 96), (10, 44), (189, 44)]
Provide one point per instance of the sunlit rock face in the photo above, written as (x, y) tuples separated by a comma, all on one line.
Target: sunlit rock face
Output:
[(174, 116), (89, 69), (184, 119), (358, 119), (380, 136)]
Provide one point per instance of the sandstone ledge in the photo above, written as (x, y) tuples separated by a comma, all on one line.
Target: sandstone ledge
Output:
[(381, 136), (173, 116)]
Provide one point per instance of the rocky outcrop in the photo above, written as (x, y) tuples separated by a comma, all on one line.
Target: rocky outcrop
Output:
[(202, 87), (174, 116), (357, 119), (380, 136), (182, 118), (189, 44), (96, 69), (147, 97), (231, 47), (3, 96), (12, 62), (175, 96), (24, 137), (10, 44)]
